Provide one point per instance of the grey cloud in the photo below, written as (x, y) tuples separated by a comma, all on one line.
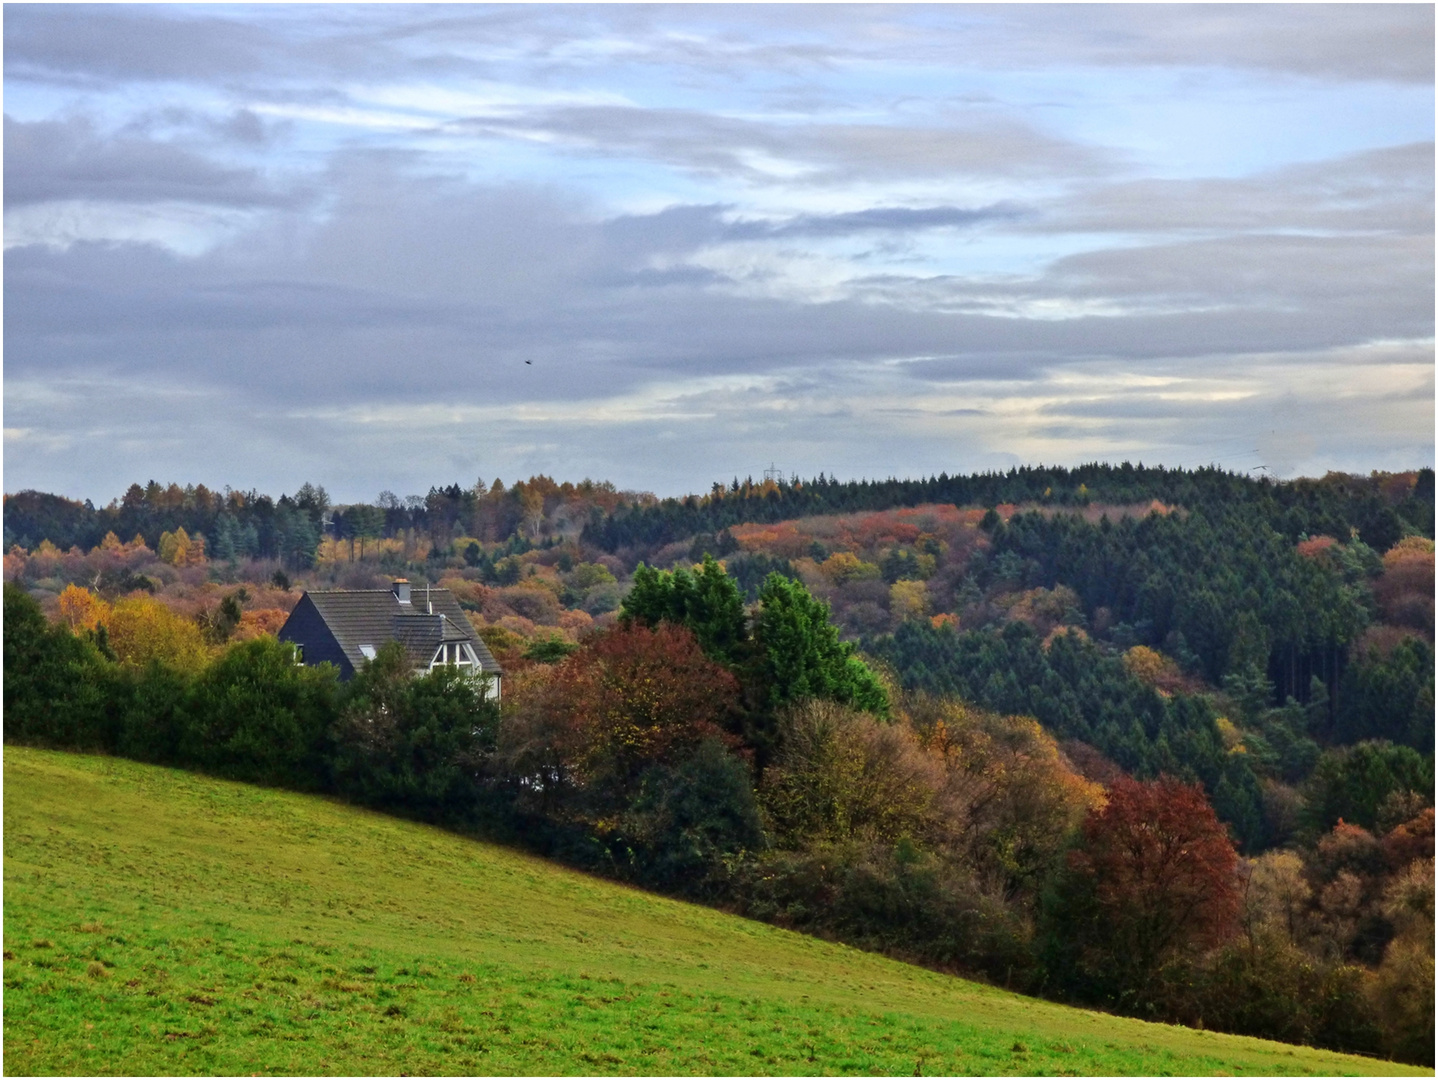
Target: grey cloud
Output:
[(51, 160), (878, 219), (832, 152), (419, 288), (680, 230), (89, 43), (1344, 41), (1387, 280), (1386, 189)]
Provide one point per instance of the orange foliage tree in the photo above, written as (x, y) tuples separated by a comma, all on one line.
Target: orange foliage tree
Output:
[(1153, 882), (631, 698), (81, 609)]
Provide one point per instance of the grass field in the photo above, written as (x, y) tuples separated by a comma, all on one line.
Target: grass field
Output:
[(161, 922)]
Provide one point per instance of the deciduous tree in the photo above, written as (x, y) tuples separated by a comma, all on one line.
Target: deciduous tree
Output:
[(1152, 882)]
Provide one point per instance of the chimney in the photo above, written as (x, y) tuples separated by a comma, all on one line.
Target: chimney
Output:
[(401, 590)]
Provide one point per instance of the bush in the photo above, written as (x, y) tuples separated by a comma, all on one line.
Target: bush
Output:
[(57, 686), (256, 715), (690, 819), (416, 745), (893, 899)]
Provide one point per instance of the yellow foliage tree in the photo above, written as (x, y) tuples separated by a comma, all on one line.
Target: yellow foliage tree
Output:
[(143, 630), (179, 548), (845, 566), (909, 599), (81, 609)]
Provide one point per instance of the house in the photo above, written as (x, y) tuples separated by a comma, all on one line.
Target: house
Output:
[(346, 627)]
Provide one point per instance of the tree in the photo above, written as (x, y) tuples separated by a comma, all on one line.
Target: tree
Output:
[(689, 817), (414, 744), (636, 697), (80, 609), (254, 714), (142, 630), (801, 656), (1351, 782), (708, 602), (57, 685), (1151, 882), (840, 775)]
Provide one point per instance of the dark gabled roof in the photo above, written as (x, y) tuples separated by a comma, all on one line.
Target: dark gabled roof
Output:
[(373, 617)]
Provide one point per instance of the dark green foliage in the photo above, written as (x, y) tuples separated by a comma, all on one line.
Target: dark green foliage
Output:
[(1304, 507), (414, 744), (901, 564), (691, 817), (801, 656), (254, 714), (1352, 782), (1225, 580), (707, 602), (549, 650), (1072, 688), (1238, 801), (751, 571), (891, 898), (154, 706), (1389, 697), (56, 685)]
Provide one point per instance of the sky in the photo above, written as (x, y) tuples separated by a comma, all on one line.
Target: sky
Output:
[(385, 247)]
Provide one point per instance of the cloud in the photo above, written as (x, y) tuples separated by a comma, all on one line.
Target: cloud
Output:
[(57, 160), (1344, 41), (94, 43), (885, 219), (860, 239), (812, 152), (1389, 189)]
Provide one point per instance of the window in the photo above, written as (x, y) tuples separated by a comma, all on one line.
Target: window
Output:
[(456, 653), (367, 651)]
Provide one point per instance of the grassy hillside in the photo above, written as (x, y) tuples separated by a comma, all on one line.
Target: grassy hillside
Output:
[(160, 922)]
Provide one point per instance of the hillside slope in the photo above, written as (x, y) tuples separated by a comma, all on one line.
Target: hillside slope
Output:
[(161, 922)]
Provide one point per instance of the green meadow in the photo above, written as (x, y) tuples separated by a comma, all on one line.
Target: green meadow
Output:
[(159, 922)]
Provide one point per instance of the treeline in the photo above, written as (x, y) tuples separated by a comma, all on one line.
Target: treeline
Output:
[(248, 524), (1382, 508), (233, 524), (1379, 507)]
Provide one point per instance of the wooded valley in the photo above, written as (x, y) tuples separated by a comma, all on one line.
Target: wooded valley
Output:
[(1156, 741)]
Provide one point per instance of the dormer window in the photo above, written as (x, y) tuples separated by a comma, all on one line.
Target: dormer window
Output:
[(367, 651), (456, 653)]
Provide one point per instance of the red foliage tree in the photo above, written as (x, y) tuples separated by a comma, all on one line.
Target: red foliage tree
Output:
[(1156, 874), (635, 697)]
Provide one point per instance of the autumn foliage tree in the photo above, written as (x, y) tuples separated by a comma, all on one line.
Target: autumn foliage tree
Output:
[(1152, 883), (143, 630), (632, 698)]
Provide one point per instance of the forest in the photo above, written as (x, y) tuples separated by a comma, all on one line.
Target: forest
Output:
[(1157, 741)]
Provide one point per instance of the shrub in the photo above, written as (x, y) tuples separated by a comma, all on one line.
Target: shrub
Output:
[(417, 745), (57, 686), (255, 714)]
